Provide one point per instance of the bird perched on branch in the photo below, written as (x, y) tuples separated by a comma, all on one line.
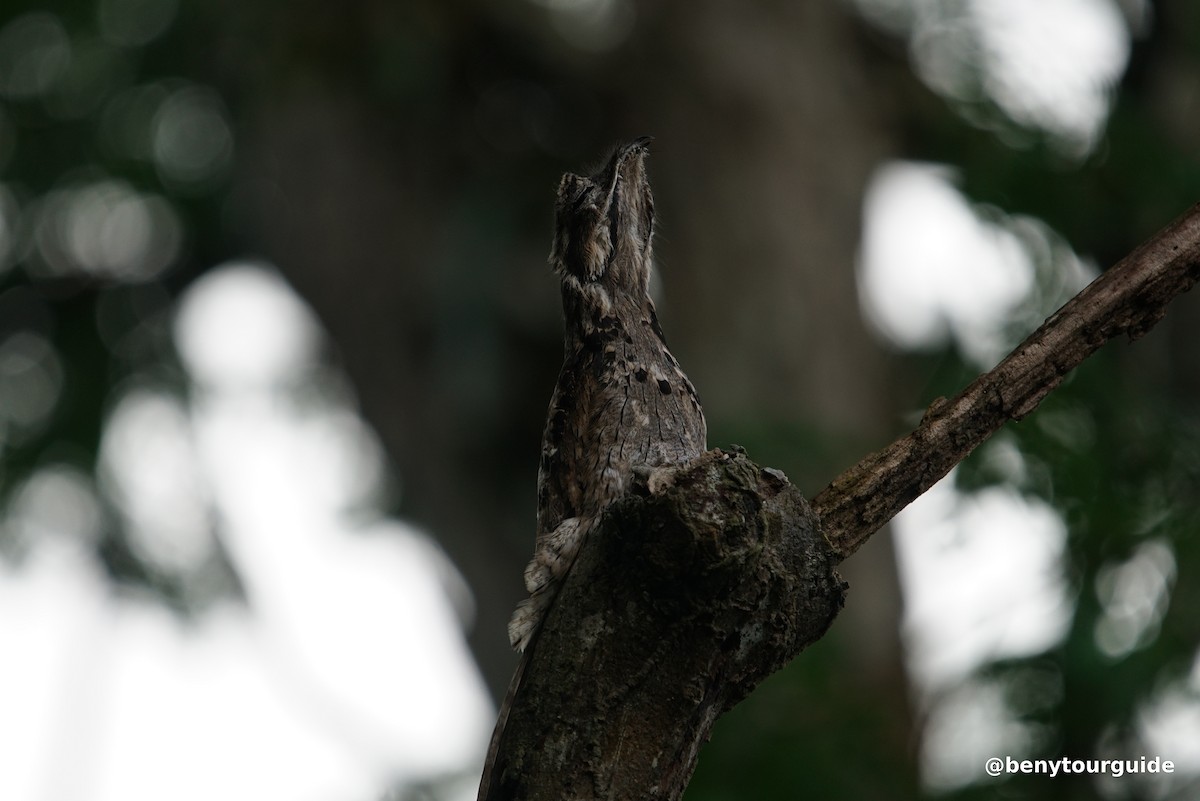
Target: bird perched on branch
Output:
[(621, 403)]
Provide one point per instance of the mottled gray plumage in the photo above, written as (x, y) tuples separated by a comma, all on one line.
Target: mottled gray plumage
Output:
[(621, 401)]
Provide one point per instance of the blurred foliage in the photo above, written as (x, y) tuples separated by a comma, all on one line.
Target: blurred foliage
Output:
[(115, 169), (128, 107)]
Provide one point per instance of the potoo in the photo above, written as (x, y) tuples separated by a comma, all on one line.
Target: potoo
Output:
[(621, 402)]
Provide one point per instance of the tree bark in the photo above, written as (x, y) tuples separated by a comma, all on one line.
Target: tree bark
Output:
[(704, 580), (698, 585)]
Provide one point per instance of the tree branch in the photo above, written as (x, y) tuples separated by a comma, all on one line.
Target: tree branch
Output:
[(703, 580), (697, 585), (1129, 299)]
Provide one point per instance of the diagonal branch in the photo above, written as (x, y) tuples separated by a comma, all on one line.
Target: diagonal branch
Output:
[(1128, 299)]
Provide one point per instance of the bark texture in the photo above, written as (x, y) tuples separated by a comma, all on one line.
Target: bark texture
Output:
[(694, 588)]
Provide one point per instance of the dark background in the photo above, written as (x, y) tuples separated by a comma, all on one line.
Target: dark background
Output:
[(397, 160)]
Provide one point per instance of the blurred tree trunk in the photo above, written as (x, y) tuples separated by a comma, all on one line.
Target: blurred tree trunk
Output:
[(386, 194)]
